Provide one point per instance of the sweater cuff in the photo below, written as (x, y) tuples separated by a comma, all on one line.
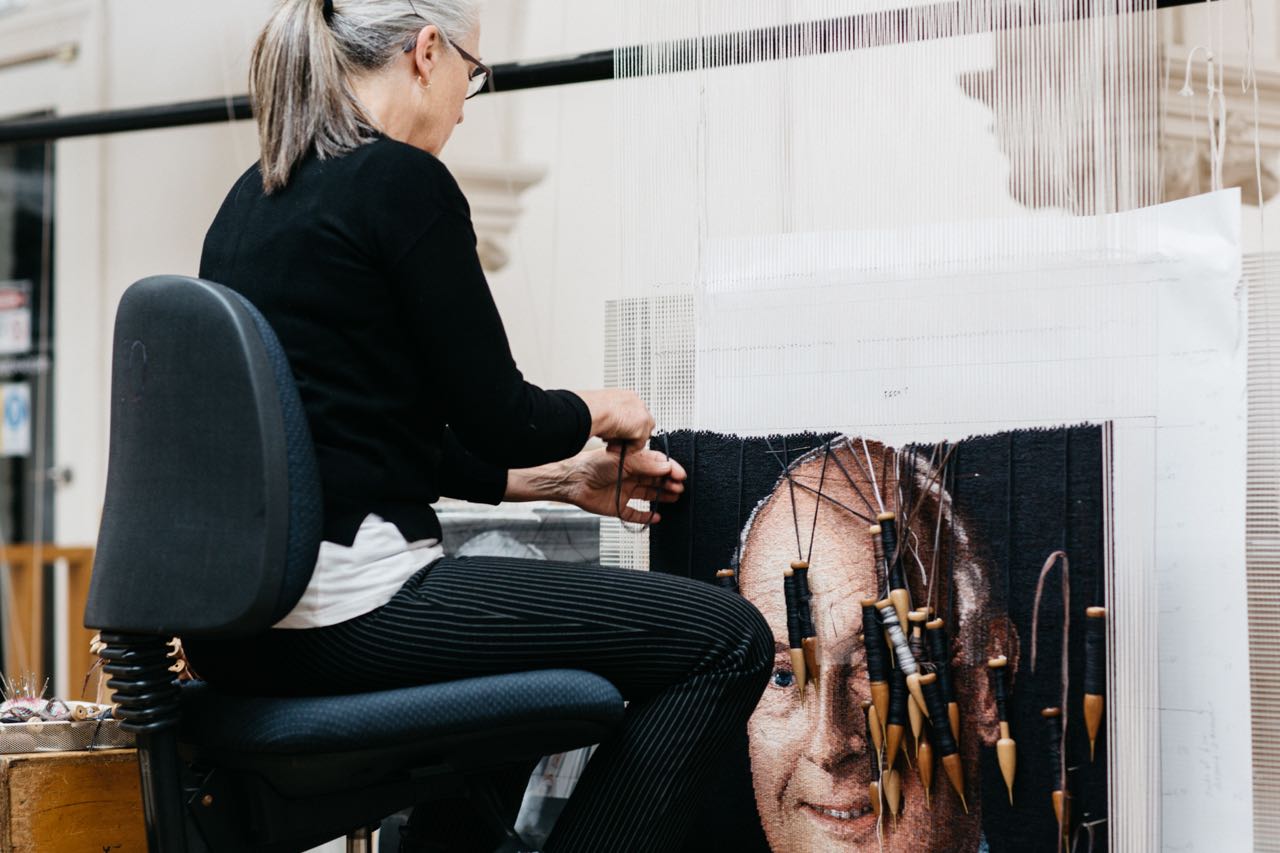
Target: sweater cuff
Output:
[(582, 433)]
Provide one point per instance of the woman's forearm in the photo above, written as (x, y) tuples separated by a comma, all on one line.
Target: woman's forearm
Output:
[(545, 483)]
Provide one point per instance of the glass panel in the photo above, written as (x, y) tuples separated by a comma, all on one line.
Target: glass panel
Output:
[(26, 394)]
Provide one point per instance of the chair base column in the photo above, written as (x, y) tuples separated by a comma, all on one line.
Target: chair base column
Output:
[(360, 840), (148, 705)]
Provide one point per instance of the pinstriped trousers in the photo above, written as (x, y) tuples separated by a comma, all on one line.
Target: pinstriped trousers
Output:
[(690, 658)]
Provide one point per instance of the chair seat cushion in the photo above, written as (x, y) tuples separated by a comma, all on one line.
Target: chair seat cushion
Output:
[(405, 716)]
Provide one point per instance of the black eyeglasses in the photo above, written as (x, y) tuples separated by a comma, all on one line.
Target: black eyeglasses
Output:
[(479, 75)]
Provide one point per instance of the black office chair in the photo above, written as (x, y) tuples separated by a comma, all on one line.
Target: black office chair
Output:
[(211, 527)]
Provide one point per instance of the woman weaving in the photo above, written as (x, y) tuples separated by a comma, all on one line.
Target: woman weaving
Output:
[(356, 243)]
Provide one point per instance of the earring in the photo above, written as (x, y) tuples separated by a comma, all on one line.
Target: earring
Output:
[(426, 85)]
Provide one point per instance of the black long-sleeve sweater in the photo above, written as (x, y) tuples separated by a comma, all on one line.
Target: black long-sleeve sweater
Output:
[(365, 265)]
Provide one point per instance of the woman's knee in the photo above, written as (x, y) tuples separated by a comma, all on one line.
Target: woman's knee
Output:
[(750, 644)]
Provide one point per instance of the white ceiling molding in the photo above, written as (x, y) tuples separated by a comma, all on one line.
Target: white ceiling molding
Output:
[(47, 26), (66, 52), (494, 190)]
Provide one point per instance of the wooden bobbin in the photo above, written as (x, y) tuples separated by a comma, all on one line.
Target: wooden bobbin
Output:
[(1094, 702), (1006, 749), (915, 715), (891, 787), (876, 546), (900, 597), (880, 699), (950, 763), (892, 743), (797, 655), (955, 773), (896, 722), (1093, 708), (1061, 809), (879, 689), (916, 620), (907, 664), (917, 695), (809, 648), (924, 763), (873, 787), (918, 711), (727, 579), (1007, 753), (901, 602), (875, 727), (808, 644), (933, 626), (897, 725), (798, 668)]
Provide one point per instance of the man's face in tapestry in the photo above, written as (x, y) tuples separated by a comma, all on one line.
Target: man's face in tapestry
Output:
[(811, 759)]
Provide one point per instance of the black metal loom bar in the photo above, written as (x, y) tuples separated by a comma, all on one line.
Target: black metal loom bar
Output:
[(897, 26)]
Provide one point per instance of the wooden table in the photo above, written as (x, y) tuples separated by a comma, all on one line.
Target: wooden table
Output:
[(71, 802)]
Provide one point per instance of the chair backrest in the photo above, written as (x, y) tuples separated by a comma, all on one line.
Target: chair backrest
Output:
[(212, 517)]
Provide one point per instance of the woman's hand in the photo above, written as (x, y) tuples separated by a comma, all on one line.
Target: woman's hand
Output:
[(618, 415), (647, 475), (589, 481)]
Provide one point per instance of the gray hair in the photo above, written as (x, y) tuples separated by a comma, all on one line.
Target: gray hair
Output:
[(300, 74)]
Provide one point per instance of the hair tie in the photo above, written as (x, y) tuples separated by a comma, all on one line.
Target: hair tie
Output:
[(328, 11)]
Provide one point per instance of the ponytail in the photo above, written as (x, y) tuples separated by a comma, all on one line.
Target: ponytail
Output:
[(302, 64)]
